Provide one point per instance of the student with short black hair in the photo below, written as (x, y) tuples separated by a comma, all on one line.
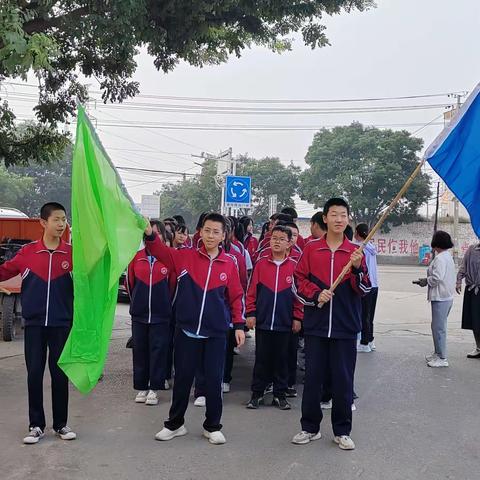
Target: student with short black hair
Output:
[(196, 235), (317, 227), (181, 236), (331, 324), (47, 307), (274, 311), (208, 297), (300, 241), (150, 284), (275, 219)]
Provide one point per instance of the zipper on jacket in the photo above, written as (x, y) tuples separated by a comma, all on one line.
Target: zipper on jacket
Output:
[(48, 286), (275, 297), (204, 297), (330, 317), (150, 293)]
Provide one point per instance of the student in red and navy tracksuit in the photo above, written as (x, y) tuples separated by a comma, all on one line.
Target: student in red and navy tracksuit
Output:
[(149, 286), (274, 312), (300, 241), (47, 307), (276, 218), (331, 323), (181, 238), (249, 241), (207, 298)]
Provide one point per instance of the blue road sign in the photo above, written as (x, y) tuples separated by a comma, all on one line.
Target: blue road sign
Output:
[(238, 191)]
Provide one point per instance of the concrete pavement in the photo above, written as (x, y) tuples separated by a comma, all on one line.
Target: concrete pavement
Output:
[(412, 422)]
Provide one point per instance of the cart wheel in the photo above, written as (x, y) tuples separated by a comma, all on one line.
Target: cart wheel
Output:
[(7, 317)]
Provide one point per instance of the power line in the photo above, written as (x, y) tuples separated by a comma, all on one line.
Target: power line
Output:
[(182, 174), (263, 100), (209, 110), (247, 127)]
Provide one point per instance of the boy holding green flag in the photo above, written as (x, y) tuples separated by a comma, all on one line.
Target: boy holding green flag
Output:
[(47, 307)]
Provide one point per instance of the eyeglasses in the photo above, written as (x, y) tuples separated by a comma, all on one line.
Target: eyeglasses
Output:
[(279, 240)]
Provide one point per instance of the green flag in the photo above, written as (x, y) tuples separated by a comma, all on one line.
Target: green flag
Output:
[(106, 233)]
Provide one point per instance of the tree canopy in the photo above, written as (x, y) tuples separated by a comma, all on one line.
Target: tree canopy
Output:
[(366, 166), (63, 40), (193, 196)]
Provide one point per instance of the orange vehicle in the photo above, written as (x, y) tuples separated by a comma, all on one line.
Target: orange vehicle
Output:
[(14, 233)]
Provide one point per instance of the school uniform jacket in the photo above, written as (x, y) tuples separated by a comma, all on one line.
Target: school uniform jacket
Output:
[(301, 242), (208, 294), (265, 243), (149, 286), (47, 287), (270, 297), (317, 269), (251, 244)]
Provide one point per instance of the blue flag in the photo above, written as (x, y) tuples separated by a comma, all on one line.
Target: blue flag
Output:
[(455, 156)]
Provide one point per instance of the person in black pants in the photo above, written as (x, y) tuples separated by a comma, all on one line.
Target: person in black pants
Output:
[(332, 321), (149, 284), (274, 311), (208, 296), (47, 307)]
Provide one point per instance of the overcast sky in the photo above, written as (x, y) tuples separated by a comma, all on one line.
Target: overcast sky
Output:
[(401, 48)]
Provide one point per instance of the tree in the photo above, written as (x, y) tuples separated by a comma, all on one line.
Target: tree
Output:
[(269, 177), (59, 40), (13, 188), (192, 197), (367, 166), (28, 143), (52, 182)]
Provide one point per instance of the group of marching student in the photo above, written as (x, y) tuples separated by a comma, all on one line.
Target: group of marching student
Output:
[(196, 301), (189, 297)]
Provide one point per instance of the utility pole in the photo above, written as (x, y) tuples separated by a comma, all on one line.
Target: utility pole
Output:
[(226, 165)]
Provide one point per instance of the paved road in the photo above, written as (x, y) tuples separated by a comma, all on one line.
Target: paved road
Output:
[(412, 422)]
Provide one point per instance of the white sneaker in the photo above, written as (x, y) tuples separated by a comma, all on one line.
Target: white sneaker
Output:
[(165, 434), (474, 354), (432, 356), (215, 438), (34, 436), (141, 396), (236, 351), (354, 407), (304, 437), (225, 387), (344, 442), (363, 348), (438, 362), (166, 385), (326, 405), (66, 433), (152, 398), (372, 346), (200, 402)]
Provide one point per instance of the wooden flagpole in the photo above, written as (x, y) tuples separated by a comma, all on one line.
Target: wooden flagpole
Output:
[(380, 222)]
